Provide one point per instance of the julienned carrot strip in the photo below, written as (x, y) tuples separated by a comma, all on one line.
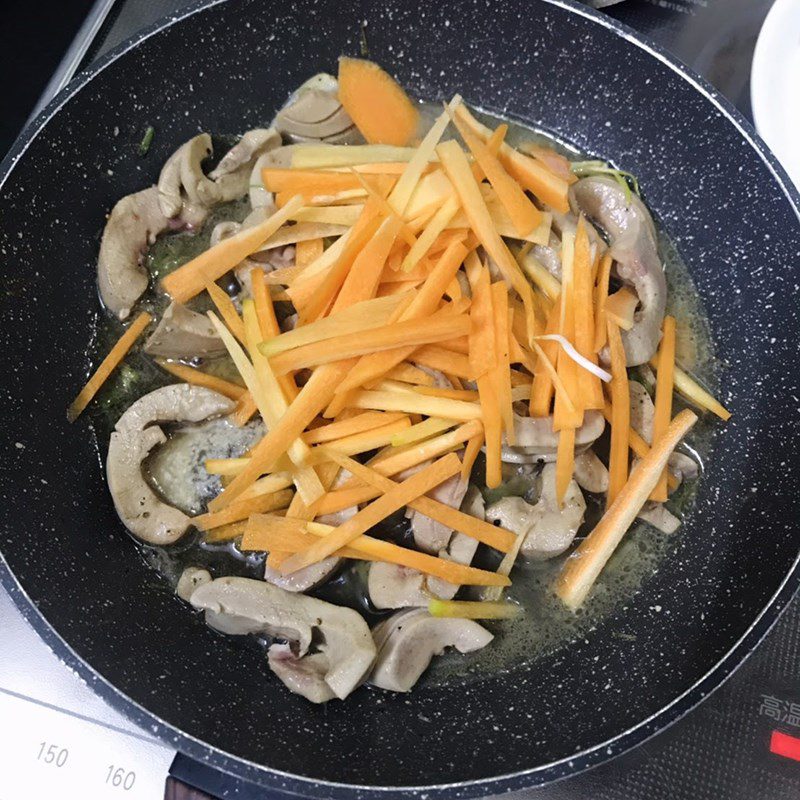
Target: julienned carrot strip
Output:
[(470, 455), (301, 181), (267, 485), (265, 312), (266, 532), (620, 417), (556, 163), (364, 441), (378, 187), (639, 447), (517, 354), (364, 421), (238, 511), (328, 473), (314, 294), (225, 466), (190, 279), (454, 161), (244, 410), (268, 324), (492, 424), (395, 461), (472, 609), (408, 373), (198, 378), (663, 401), (566, 368), (434, 227), (459, 345), (542, 386), (363, 277), (565, 462), (419, 431), (108, 365), (341, 401), (600, 295), (427, 300), (408, 182), (548, 187), (269, 398), (455, 381), (620, 308), (498, 538), (359, 317), (586, 562), (398, 497), (524, 214), (307, 252), (694, 392), (414, 403), (453, 290), (591, 392), (450, 394), (435, 357), (520, 378), (502, 368), (226, 533), (548, 284), (413, 333), (298, 510), (492, 144), (227, 310), (312, 399), (304, 280), (391, 462), (482, 345)]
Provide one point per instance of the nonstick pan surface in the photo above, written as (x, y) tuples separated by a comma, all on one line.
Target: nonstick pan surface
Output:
[(226, 66)]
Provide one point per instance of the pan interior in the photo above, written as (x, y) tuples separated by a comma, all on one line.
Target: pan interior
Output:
[(225, 69)]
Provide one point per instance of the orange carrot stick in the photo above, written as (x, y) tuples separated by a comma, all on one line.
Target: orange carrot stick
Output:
[(108, 365), (307, 252), (502, 374), (242, 510), (410, 489), (663, 401), (585, 564), (227, 310), (190, 279), (470, 454), (620, 417), (198, 378), (524, 214), (491, 535), (601, 293), (565, 462), (364, 421), (269, 532)]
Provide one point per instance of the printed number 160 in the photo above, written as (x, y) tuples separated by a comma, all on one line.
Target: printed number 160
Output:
[(117, 776)]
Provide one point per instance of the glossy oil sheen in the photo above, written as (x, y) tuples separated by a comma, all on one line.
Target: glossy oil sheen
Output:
[(720, 198)]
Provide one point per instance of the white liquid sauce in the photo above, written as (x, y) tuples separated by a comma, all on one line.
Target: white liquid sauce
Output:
[(176, 469)]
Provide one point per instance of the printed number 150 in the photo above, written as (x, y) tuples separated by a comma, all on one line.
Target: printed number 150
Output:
[(52, 754)]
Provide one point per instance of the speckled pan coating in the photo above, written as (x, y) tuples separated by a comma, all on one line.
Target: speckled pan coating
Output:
[(224, 68)]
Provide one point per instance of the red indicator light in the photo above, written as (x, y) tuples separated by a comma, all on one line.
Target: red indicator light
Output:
[(784, 745)]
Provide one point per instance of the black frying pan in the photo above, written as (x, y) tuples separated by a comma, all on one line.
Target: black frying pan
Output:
[(224, 67)]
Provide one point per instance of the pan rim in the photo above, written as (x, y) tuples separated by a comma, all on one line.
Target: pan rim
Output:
[(246, 770)]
